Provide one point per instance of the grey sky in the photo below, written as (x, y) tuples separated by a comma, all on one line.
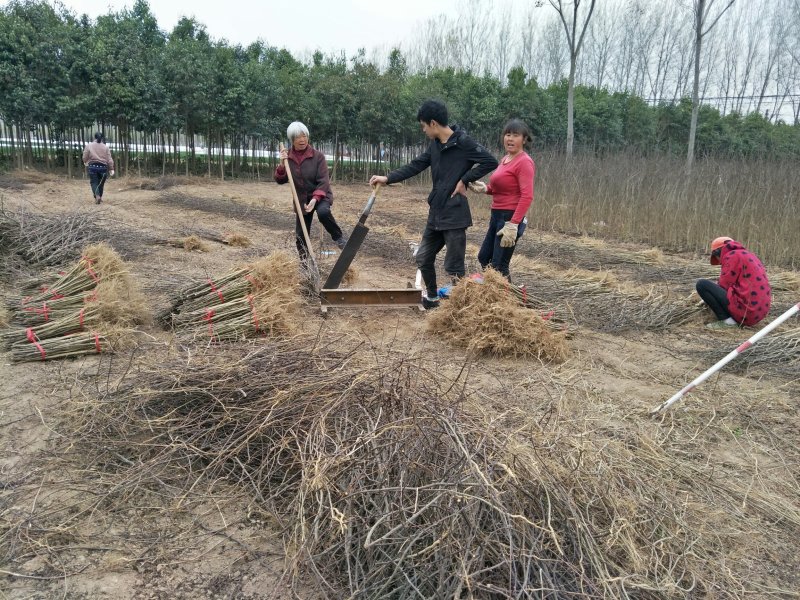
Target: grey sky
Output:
[(328, 25)]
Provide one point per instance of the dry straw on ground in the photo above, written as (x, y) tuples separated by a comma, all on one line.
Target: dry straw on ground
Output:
[(487, 318), (194, 243), (390, 482), (238, 240), (4, 315)]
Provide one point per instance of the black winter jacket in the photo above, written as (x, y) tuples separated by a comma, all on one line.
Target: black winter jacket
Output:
[(456, 159)]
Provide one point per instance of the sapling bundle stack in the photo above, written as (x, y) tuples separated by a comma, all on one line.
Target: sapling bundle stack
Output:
[(261, 300), (273, 270), (95, 300), (69, 346), (98, 262)]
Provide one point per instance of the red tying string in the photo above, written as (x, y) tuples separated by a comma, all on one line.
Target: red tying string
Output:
[(215, 290), (252, 281), (56, 296), (253, 309), (43, 289), (207, 318), (44, 312), (25, 300), (29, 333), (92, 297), (81, 318), (524, 294), (92, 274), (548, 316), (97, 342)]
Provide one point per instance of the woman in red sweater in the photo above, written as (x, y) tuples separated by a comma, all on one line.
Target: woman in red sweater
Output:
[(511, 188), (743, 295)]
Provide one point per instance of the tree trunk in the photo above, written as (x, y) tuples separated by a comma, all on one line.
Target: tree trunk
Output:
[(571, 105), (698, 42)]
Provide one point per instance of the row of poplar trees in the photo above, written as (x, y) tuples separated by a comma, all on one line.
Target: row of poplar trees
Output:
[(183, 102)]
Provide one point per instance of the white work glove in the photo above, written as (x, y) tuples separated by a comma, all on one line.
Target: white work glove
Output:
[(478, 187), (111, 173), (310, 206), (508, 235)]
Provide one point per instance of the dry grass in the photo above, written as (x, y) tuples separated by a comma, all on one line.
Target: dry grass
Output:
[(784, 281), (4, 315), (238, 240), (193, 242), (487, 319)]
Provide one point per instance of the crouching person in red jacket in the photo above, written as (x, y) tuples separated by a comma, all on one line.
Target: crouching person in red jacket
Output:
[(742, 296)]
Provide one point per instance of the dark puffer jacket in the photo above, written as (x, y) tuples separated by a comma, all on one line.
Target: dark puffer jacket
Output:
[(745, 280), (449, 162)]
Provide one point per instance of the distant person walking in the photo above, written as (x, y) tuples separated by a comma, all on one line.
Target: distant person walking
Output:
[(455, 160), (99, 164), (511, 189), (313, 185), (742, 296)]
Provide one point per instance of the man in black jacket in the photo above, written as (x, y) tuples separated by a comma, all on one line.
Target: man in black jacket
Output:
[(456, 160)]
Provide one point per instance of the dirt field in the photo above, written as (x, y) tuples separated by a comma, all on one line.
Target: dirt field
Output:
[(741, 426)]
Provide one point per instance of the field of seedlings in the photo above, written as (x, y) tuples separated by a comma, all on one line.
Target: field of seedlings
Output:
[(178, 419)]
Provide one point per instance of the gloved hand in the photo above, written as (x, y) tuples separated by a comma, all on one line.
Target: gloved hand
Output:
[(478, 186), (310, 206), (508, 235), (111, 173)]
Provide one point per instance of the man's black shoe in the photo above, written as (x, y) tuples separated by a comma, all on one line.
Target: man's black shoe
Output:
[(430, 304)]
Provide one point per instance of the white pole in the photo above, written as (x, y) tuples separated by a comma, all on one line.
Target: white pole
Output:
[(789, 313)]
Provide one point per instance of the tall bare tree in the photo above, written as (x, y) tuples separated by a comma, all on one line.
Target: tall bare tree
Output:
[(575, 28), (705, 19)]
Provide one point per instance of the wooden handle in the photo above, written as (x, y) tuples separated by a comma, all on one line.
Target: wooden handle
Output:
[(298, 208)]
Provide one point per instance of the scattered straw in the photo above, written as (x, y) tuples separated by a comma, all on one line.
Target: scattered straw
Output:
[(195, 243), (238, 240), (487, 319), (4, 316), (784, 281)]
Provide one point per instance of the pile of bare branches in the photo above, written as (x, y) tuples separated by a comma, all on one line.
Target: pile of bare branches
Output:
[(49, 240), (597, 299), (777, 353), (390, 482)]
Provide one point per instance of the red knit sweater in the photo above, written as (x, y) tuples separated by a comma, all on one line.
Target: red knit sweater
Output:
[(511, 186)]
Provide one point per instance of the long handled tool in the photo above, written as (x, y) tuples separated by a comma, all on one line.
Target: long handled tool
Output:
[(311, 263), (351, 247), (733, 354)]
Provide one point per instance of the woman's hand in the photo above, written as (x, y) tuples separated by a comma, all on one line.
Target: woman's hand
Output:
[(284, 154), (478, 187)]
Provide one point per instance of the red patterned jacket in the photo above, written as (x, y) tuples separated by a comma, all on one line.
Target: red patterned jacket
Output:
[(745, 280)]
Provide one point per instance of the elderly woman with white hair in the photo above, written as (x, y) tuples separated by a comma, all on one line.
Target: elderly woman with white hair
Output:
[(310, 174)]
